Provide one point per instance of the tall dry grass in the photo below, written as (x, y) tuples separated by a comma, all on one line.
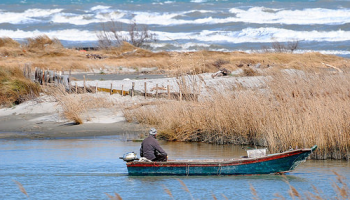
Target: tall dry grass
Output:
[(292, 111), (15, 88), (41, 42), (8, 42), (75, 106)]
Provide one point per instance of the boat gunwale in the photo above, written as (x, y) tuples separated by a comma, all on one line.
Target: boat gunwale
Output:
[(219, 162)]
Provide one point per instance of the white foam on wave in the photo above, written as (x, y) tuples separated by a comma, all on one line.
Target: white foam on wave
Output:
[(301, 17), (259, 35), (102, 13), (100, 7), (198, 1), (69, 34), (248, 35), (28, 16), (85, 19), (266, 16)]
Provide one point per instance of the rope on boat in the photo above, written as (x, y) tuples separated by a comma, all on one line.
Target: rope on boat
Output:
[(219, 170), (187, 169)]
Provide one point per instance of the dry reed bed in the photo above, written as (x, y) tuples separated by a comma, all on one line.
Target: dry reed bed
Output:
[(298, 110)]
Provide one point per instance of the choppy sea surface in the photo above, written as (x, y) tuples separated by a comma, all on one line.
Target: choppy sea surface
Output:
[(188, 25)]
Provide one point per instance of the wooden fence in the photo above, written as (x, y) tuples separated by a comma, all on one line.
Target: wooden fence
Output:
[(51, 77)]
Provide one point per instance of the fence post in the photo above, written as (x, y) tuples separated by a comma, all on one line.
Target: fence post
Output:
[(96, 88), (111, 91), (168, 89), (132, 89), (76, 88), (84, 85), (157, 90), (180, 95), (145, 90), (122, 89)]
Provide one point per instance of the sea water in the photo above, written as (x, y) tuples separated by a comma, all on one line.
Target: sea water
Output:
[(188, 25)]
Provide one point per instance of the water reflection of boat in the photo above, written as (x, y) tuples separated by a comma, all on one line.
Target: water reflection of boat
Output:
[(252, 164)]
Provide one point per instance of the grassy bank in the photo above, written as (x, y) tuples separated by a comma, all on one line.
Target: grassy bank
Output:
[(14, 87), (291, 111)]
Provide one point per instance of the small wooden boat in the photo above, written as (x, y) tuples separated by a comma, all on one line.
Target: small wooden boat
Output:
[(278, 163)]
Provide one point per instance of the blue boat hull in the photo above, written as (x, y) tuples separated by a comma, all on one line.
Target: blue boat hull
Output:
[(275, 163)]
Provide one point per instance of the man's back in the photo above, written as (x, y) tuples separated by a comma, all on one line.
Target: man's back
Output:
[(149, 147)]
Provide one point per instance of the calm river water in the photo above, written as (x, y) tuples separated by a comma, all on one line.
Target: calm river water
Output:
[(89, 168)]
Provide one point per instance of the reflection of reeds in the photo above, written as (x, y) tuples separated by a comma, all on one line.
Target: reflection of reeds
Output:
[(292, 111)]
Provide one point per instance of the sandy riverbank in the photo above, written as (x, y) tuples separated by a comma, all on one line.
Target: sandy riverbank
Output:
[(24, 127), (42, 119)]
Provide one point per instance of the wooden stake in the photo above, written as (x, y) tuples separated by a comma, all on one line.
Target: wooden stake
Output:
[(132, 89), (180, 95), (76, 88), (145, 90), (122, 90), (111, 92), (84, 85), (168, 89), (156, 90), (96, 87)]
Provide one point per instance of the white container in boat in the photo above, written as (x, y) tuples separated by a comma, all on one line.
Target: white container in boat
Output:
[(256, 153)]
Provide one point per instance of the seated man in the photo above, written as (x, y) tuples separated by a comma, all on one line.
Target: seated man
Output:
[(150, 148)]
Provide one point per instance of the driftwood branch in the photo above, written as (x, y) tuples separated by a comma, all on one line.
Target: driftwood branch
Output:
[(327, 65)]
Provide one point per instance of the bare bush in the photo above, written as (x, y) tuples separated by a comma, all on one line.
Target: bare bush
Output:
[(279, 47), (114, 35)]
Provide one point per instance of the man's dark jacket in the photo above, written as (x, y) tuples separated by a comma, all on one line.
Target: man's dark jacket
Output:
[(150, 148)]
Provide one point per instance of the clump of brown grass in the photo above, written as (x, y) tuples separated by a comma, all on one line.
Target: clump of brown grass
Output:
[(42, 42), (74, 106), (249, 72), (293, 111), (8, 42), (14, 87), (9, 47)]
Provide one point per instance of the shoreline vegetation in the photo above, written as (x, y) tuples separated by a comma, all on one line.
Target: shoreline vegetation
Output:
[(304, 99)]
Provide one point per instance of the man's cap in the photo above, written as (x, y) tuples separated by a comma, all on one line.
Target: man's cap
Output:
[(153, 131)]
